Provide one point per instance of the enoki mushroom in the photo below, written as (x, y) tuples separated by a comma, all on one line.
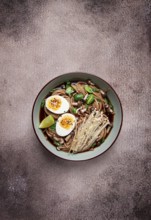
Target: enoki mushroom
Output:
[(89, 131)]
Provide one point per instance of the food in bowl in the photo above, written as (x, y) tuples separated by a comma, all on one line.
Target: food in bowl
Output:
[(76, 116)]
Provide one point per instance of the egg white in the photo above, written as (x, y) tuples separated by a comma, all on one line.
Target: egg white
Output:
[(64, 104), (62, 131)]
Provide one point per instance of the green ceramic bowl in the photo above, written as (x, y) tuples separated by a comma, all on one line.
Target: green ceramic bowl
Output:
[(75, 76)]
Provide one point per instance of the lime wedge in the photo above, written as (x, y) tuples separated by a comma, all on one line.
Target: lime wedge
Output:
[(47, 122)]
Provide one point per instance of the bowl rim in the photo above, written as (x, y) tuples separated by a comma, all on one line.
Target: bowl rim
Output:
[(71, 159)]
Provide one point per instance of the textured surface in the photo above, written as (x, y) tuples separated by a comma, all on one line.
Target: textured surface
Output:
[(43, 39)]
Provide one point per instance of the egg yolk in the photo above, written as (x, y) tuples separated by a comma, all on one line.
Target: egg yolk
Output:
[(67, 122), (54, 103)]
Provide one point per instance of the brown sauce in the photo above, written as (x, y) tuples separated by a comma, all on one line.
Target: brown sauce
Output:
[(42, 114)]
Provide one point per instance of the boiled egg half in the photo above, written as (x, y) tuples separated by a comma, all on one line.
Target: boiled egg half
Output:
[(65, 124), (57, 104)]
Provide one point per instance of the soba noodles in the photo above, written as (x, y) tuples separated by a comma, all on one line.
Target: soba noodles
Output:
[(82, 116)]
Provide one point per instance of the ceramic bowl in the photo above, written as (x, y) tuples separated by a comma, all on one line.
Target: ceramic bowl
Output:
[(75, 76)]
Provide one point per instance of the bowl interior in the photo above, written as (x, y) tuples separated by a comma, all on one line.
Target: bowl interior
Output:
[(116, 124)]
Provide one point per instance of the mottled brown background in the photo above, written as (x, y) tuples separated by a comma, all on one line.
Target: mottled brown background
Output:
[(43, 39)]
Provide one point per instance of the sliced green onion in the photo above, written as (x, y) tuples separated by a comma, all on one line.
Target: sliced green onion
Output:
[(90, 99), (109, 103), (74, 110), (53, 127), (102, 140), (78, 97), (95, 89), (88, 89), (69, 90), (68, 84), (57, 143), (43, 103)]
